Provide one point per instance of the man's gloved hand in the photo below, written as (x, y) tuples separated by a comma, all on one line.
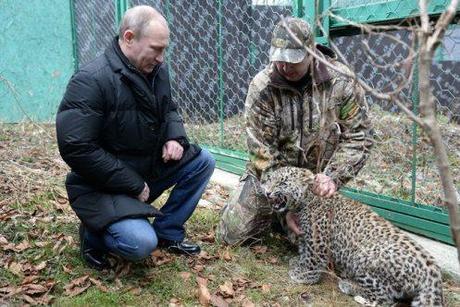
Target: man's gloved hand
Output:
[(292, 221), (324, 186), (144, 195), (172, 150)]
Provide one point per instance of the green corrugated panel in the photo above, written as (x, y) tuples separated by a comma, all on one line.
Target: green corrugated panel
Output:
[(384, 11), (424, 227), (228, 160), (430, 221)]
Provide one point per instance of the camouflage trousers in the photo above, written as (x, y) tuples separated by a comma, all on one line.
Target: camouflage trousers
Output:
[(248, 213)]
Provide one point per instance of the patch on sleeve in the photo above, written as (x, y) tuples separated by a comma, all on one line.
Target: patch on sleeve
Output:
[(349, 110)]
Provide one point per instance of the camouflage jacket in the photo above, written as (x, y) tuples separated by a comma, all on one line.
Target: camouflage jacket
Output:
[(323, 127)]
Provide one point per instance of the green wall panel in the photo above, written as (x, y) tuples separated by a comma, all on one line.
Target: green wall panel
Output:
[(35, 57)]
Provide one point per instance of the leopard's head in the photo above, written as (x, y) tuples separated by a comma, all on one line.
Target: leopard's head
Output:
[(285, 186)]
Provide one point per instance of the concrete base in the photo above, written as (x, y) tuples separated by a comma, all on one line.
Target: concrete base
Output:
[(445, 255)]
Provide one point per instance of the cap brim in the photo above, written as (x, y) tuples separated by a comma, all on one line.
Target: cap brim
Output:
[(287, 55)]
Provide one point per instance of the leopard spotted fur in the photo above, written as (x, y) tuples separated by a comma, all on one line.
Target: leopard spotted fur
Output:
[(372, 258)]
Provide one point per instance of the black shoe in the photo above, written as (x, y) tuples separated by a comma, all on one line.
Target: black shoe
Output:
[(179, 247), (94, 258)]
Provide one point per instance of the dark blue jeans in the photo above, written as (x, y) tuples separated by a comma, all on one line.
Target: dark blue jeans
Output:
[(135, 239)]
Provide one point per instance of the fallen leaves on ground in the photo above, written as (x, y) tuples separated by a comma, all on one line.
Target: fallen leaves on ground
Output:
[(77, 286)]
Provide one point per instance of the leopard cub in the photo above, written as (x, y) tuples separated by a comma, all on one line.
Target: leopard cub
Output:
[(373, 259)]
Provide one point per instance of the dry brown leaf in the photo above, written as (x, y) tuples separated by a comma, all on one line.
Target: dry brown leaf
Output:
[(41, 243), (226, 255), (123, 269), (306, 297), (29, 300), (273, 260), (34, 289), (159, 257), (266, 288), (134, 290), (185, 275), (227, 289), (174, 302), (204, 297), (22, 246), (118, 283), (77, 290), (58, 245), (209, 237), (201, 281), (218, 301), (9, 246), (66, 269), (45, 299), (247, 303), (16, 269), (241, 281), (198, 268), (259, 249), (8, 214), (3, 240), (77, 282), (40, 266), (204, 255), (10, 291), (99, 284), (157, 253), (29, 279)]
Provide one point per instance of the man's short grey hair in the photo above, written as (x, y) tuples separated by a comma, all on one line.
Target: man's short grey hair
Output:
[(138, 18)]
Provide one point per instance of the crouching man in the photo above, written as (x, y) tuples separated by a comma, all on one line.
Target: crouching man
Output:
[(121, 135)]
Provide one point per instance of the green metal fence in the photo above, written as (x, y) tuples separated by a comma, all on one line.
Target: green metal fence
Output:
[(217, 46)]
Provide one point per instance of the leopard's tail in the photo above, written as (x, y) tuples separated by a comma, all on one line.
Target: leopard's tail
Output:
[(431, 294)]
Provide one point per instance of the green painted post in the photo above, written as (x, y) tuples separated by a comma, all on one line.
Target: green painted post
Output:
[(74, 35), (120, 8), (313, 9), (220, 66), (297, 8), (415, 103), (310, 13), (325, 4)]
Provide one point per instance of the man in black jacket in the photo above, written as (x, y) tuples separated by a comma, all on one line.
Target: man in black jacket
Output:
[(125, 142)]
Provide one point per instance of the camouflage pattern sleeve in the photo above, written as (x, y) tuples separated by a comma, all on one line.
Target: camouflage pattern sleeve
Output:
[(356, 134), (261, 129)]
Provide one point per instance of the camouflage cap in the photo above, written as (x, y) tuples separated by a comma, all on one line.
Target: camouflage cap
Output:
[(283, 47)]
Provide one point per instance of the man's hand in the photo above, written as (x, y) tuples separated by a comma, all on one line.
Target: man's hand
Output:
[(292, 221), (144, 194), (172, 150), (324, 186)]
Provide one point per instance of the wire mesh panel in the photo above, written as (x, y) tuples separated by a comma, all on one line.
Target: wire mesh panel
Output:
[(216, 48), (95, 28)]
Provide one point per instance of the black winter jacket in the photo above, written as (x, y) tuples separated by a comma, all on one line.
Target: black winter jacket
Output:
[(111, 126)]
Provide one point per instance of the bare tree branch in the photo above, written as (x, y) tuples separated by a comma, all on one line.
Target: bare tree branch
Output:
[(427, 42)]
